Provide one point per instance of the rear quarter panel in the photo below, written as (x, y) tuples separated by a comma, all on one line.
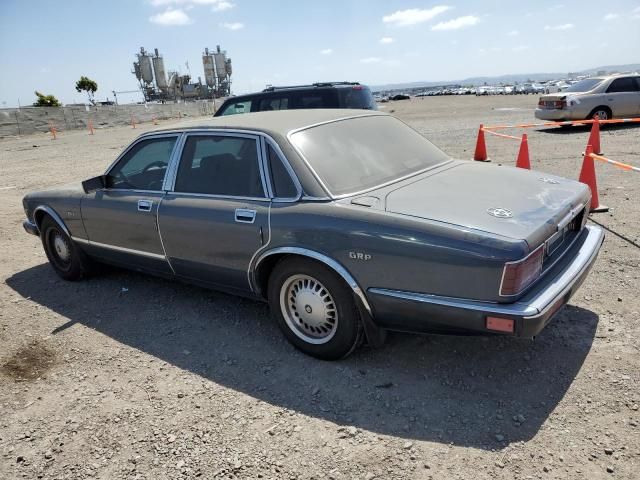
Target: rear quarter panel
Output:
[(397, 253)]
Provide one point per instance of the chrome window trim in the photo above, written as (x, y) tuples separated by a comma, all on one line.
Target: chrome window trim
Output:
[(53, 214), (220, 197), (172, 170), (331, 263), (359, 192), (116, 248), (220, 133)]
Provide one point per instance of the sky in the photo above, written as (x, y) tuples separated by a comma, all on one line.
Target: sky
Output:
[(48, 45)]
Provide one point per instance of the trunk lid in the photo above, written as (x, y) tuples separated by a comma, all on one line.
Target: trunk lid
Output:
[(475, 195)]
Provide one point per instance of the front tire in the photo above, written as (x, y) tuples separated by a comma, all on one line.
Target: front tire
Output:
[(68, 261), (314, 308)]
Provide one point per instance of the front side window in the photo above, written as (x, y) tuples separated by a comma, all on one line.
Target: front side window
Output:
[(220, 165), (143, 167), (237, 107), (361, 153), (620, 85)]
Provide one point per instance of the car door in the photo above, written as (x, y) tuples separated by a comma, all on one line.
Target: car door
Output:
[(216, 216), (121, 219), (623, 97)]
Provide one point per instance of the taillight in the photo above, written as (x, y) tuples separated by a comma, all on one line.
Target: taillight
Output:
[(357, 87), (519, 275)]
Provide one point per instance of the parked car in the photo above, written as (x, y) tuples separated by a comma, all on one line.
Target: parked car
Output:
[(346, 222), (607, 97), (401, 96), (317, 95)]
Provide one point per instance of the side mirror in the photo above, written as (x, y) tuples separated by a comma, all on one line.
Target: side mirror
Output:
[(95, 183)]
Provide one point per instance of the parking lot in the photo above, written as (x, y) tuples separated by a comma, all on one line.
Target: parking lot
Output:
[(129, 376)]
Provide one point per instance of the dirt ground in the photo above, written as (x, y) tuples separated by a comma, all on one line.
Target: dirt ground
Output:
[(128, 376)]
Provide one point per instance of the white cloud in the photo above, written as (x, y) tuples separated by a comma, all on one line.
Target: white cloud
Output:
[(457, 23), (386, 40), (371, 60), (222, 5), (513, 33), (553, 8), (520, 48), (233, 26), (326, 51), (413, 16), (636, 13), (171, 17), (162, 3), (564, 26), (611, 16)]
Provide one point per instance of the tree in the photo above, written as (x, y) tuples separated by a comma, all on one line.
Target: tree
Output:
[(85, 84), (46, 100)]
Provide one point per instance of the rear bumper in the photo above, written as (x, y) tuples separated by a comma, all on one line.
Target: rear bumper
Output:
[(554, 115), (419, 312), (30, 227)]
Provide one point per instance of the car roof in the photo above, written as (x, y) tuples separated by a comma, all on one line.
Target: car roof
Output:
[(278, 123)]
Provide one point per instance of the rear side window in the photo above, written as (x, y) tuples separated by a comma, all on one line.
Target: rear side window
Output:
[(267, 104), (626, 84), (220, 165), (283, 186), (237, 107)]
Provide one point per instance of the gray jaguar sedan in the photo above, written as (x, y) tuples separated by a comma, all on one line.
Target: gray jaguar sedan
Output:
[(348, 223)]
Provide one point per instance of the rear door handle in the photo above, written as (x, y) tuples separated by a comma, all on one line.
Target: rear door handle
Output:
[(144, 205), (244, 215)]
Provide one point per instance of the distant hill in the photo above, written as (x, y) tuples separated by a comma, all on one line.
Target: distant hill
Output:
[(509, 78)]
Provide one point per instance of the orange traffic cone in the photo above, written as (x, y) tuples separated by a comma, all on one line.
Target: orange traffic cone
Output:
[(133, 122), (481, 147), (90, 127), (594, 137), (588, 177), (523, 154)]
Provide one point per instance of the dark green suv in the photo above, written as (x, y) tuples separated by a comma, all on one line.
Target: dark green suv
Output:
[(317, 95)]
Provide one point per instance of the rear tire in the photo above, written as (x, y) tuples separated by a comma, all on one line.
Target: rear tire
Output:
[(604, 113), (314, 308), (68, 261)]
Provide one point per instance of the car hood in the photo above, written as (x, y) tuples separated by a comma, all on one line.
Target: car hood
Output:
[(465, 194)]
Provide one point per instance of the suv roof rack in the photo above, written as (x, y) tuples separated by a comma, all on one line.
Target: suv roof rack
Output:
[(317, 84)]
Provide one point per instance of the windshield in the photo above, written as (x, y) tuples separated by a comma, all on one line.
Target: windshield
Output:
[(584, 85), (357, 97), (361, 153)]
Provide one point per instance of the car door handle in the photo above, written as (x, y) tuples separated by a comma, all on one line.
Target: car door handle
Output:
[(244, 215), (144, 205)]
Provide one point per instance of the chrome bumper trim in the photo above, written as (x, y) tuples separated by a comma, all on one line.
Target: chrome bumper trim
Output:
[(31, 228), (535, 304)]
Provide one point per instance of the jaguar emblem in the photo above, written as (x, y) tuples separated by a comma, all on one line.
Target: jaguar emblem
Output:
[(500, 212), (552, 181)]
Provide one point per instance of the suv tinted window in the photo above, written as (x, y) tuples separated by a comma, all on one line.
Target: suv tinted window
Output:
[(220, 165), (283, 186), (315, 98), (357, 97), (267, 104), (144, 165), (625, 84), (237, 107)]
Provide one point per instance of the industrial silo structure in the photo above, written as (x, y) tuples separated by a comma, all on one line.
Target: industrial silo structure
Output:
[(144, 62), (209, 69), (160, 73)]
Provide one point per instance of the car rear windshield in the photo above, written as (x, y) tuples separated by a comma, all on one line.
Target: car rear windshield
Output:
[(361, 153), (584, 85)]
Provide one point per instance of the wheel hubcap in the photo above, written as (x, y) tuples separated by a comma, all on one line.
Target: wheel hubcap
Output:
[(602, 115), (308, 309), (61, 248)]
